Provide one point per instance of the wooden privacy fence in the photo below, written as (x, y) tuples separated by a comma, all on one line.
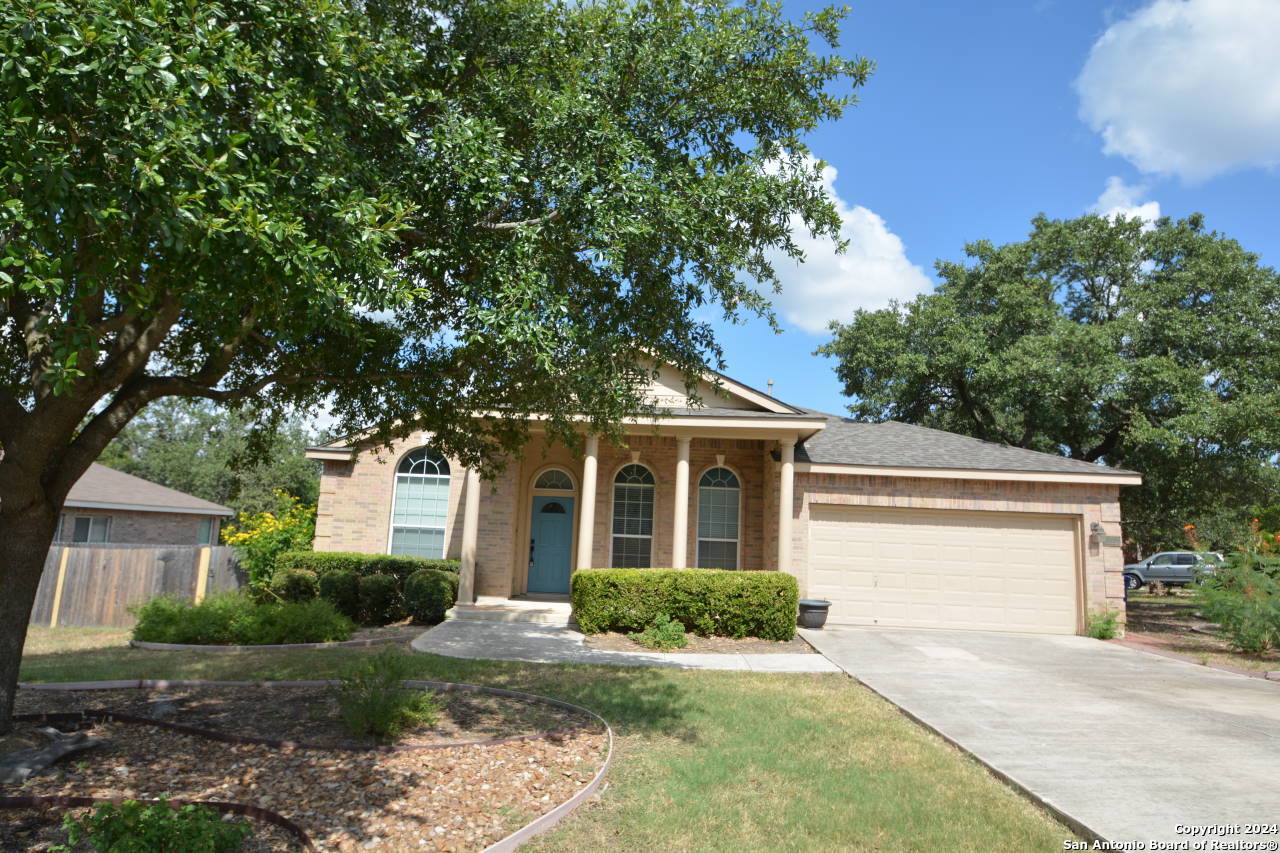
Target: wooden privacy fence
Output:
[(96, 584)]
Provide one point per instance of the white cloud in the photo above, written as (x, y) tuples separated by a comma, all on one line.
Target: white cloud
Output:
[(1188, 87), (830, 286), (1121, 199)]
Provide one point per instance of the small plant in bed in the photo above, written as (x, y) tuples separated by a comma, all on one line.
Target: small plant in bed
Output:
[(235, 619), (373, 702), (133, 827), (663, 634)]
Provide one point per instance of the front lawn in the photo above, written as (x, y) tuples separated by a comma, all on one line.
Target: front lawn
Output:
[(707, 761), (1169, 621)]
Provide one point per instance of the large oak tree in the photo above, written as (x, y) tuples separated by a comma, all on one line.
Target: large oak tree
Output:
[(1152, 348), (411, 210)]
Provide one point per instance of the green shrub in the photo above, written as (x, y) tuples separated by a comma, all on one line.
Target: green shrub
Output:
[(1103, 625), (711, 602), (380, 600), (428, 593), (323, 562), (1244, 598), (134, 827), (341, 588), (294, 584), (664, 634), (236, 619), (373, 702)]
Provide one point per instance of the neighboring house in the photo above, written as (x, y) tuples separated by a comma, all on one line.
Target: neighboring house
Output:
[(110, 506), (897, 525)]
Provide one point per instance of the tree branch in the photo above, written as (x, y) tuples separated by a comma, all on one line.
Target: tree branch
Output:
[(521, 223)]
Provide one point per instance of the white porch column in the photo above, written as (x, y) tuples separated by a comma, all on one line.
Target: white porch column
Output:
[(470, 533), (680, 524), (786, 495), (587, 513)]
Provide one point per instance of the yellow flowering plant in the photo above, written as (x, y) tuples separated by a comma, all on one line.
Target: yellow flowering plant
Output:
[(260, 537)]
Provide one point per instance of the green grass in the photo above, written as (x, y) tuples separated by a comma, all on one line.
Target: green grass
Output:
[(707, 761)]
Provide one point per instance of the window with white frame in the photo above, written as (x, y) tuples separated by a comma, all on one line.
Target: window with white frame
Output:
[(719, 505), (421, 505), (91, 528), (204, 536), (633, 517), (554, 478)]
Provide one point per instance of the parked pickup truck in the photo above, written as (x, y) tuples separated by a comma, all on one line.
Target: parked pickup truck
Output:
[(1175, 568)]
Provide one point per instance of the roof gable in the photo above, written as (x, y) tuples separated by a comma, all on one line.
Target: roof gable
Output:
[(668, 391)]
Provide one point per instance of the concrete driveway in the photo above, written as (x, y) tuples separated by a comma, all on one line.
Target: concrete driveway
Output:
[(1124, 745)]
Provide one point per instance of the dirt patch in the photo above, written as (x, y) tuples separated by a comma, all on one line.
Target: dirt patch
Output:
[(405, 631), (1169, 622), (459, 799), (305, 714), (615, 642), (41, 829)]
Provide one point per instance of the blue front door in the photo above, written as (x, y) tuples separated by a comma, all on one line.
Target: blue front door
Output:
[(551, 544)]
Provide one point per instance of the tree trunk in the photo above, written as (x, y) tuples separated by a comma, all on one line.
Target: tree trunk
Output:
[(25, 538)]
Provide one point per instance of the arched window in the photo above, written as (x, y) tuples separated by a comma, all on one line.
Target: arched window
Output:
[(421, 504), (719, 501), (633, 517), (554, 478)]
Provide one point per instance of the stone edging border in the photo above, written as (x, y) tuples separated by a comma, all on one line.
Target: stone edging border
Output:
[(242, 809), (1131, 642), (506, 845), (337, 644)]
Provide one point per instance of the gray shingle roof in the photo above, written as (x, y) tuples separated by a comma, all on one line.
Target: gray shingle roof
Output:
[(898, 445), (103, 485)]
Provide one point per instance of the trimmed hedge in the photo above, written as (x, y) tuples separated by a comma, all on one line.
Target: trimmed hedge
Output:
[(294, 585), (710, 602), (233, 618), (428, 593), (380, 600), (341, 588), (363, 565)]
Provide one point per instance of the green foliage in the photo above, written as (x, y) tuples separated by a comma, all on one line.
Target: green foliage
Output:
[(260, 538), (428, 593), (341, 588), (236, 619), (323, 562), (1152, 350), (381, 601), (295, 585), (373, 702), (134, 827), (1244, 595), (220, 455), (711, 602), (663, 634), (1103, 625)]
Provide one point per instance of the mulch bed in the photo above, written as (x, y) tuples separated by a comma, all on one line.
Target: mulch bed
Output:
[(615, 642), (1170, 623), (456, 799)]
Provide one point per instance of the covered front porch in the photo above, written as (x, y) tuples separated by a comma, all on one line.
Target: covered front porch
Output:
[(692, 491)]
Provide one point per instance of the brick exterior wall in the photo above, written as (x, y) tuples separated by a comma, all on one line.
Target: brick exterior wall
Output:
[(1103, 566), (355, 506), (130, 527)]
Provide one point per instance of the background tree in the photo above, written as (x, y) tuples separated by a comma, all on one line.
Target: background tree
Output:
[(1155, 349), (217, 454), (414, 210)]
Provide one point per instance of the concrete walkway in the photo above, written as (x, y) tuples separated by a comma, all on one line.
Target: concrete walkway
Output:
[(535, 643), (1126, 746)]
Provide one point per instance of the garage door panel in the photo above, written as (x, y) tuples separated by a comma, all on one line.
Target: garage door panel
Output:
[(936, 569)]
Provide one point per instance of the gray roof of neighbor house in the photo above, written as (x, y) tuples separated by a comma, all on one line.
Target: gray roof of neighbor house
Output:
[(106, 488), (893, 444)]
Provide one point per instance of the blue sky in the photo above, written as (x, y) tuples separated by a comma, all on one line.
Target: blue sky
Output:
[(982, 114)]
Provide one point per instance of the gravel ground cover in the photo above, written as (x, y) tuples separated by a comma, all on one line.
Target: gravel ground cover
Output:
[(613, 641), (456, 799)]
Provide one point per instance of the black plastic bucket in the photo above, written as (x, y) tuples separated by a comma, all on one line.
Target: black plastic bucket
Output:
[(813, 612)]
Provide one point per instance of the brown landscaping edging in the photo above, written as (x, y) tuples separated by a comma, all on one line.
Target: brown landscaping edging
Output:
[(1131, 641), (536, 827), (242, 809), (336, 644)]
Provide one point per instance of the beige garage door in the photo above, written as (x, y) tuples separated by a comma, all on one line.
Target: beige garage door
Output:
[(934, 569)]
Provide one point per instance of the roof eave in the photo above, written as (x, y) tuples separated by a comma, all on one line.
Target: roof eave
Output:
[(1104, 477)]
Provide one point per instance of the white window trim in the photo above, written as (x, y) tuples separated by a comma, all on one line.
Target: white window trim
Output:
[(697, 516), (613, 502), (396, 474)]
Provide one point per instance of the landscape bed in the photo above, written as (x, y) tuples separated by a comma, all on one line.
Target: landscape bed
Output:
[(436, 789)]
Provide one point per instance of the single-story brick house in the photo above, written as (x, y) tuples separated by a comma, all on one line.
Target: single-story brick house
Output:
[(897, 525), (110, 506)]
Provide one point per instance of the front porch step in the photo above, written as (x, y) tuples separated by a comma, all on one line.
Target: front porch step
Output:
[(516, 610)]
